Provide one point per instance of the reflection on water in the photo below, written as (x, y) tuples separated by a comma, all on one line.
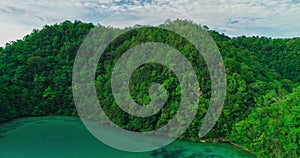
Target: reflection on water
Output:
[(66, 137)]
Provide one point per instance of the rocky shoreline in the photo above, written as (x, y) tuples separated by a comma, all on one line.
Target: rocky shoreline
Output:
[(221, 140)]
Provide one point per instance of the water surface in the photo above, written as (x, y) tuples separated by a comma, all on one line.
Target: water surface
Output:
[(66, 137)]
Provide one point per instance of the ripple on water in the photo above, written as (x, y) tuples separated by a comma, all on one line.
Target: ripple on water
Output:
[(164, 153), (2, 136), (214, 156), (208, 150)]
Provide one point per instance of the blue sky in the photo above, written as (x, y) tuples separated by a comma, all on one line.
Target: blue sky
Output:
[(271, 18)]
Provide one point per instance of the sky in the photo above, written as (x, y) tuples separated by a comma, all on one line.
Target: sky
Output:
[(271, 18)]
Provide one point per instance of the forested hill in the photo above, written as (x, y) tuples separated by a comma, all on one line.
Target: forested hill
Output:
[(262, 107)]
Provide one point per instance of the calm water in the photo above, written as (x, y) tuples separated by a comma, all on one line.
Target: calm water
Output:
[(66, 137)]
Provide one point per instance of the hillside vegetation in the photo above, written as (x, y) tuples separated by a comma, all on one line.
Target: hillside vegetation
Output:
[(262, 107)]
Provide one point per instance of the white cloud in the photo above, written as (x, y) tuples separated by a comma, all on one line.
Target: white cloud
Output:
[(143, 16), (18, 18), (276, 18)]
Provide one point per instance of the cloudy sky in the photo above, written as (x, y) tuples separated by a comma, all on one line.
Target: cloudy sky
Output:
[(271, 18)]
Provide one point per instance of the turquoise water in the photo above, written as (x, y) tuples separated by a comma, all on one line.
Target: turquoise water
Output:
[(66, 137)]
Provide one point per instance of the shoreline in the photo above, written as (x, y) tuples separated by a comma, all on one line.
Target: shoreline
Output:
[(208, 140), (222, 140)]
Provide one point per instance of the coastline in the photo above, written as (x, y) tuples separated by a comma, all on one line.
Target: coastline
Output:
[(208, 140), (222, 140)]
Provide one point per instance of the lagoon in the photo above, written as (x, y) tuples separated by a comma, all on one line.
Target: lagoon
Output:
[(67, 137)]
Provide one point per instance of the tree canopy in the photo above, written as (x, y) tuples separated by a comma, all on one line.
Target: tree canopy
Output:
[(261, 111)]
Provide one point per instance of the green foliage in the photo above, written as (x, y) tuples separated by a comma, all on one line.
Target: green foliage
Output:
[(272, 129), (261, 110), (36, 71)]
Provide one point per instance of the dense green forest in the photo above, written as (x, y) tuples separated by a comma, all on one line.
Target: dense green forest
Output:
[(262, 107)]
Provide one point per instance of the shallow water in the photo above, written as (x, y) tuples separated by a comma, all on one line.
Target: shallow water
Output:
[(67, 137)]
